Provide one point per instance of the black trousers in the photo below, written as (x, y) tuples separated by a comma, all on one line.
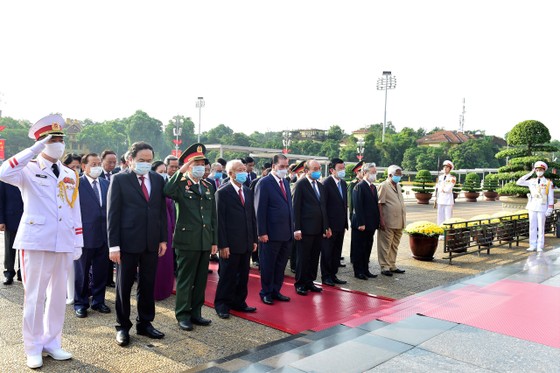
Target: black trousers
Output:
[(146, 263), (330, 255), (273, 259), (232, 286), (93, 261), (308, 252), (362, 242), (10, 254)]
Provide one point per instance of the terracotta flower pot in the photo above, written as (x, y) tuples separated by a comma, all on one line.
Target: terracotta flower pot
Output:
[(423, 198), (471, 196), (422, 247), (490, 196)]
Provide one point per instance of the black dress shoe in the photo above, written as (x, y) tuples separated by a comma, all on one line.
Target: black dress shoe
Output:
[(200, 321), (281, 298), (102, 308), (370, 275), (8, 281), (267, 299), (18, 275), (246, 309), (361, 276), (341, 265), (223, 315), (398, 270), (110, 284), (328, 282), (387, 273), (301, 291), (339, 281), (150, 332), (123, 338), (81, 313), (314, 289), (185, 325)]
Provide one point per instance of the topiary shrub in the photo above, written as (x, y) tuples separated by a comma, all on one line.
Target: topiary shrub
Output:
[(490, 183), (472, 183), (423, 183)]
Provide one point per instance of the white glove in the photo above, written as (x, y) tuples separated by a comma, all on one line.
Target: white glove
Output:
[(39, 146), (77, 253), (548, 211)]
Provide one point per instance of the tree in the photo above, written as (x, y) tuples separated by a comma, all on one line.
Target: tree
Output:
[(476, 153), (218, 134), (107, 135), (187, 133), (142, 127), (330, 149), (335, 133)]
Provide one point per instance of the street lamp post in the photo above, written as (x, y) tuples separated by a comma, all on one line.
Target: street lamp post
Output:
[(199, 104), (387, 81), (360, 149), (177, 130), (286, 141)]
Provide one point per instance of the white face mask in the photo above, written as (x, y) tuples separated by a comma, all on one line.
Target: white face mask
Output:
[(54, 150), (540, 173), (372, 177), (142, 168), (95, 172)]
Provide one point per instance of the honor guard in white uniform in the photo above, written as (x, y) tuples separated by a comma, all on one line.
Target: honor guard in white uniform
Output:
[(49, 236), (444, 193), (540, 203)]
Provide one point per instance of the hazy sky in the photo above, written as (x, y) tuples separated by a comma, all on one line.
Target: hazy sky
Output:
[(266, 65)]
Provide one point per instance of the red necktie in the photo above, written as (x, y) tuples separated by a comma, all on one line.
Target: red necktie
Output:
[(241, 197), (372, 188), (144, 189), (283, 190)]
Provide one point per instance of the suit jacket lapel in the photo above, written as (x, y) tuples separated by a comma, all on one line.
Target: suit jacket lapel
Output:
[(88, 186), (136, 183)]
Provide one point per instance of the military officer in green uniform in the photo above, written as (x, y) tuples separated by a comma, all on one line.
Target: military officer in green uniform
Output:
[(196, 234)]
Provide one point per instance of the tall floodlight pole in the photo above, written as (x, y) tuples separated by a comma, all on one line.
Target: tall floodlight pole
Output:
[(387, 81), (199, 105), (177, 130), (286, 141)]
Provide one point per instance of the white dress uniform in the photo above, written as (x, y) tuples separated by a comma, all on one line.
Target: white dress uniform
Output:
[(540, 198), (49, 238), (445, 200)]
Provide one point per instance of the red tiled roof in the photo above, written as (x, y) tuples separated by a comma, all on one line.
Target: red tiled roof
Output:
[(451, 137)]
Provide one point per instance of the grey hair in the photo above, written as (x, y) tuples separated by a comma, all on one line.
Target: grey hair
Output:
[(369, 166), (231, 164), (216, 164), (392, 169)]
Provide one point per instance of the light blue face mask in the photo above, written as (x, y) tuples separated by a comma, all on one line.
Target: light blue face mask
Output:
[(198, 171), (341, 174), (142, 168), (217, 175), (241, 177), (396, 179), (316, 175)]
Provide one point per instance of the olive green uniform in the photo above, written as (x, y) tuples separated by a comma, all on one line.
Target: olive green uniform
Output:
[(195, 233)]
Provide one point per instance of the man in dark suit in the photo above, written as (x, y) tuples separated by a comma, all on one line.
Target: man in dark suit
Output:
[(275, 227), (365, 221), (237, 239), (337, 212), (93, 205), (137, 227), (297, 173), (311, 225), (358, 176), (196, 235), (109, 165), (11, 209), (251, 175)]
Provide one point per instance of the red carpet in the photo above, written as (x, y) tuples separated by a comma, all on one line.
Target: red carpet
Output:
[(312, 312), (523, 310)]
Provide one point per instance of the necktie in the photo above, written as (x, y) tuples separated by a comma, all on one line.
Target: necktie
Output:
[(241, 197), (372, 187), (444, 177), (108, 176), (144, 189), (283, 190), (538, 181), (55, 170), (340, 189), (316, 190), (217, 183), (96, 191)]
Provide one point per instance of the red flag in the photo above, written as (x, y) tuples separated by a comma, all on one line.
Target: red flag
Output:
[(2, 144), (2, 128)]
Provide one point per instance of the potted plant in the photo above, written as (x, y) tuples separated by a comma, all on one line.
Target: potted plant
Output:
[(471, 186), (423, 239), (489, 186), (423, 187)]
